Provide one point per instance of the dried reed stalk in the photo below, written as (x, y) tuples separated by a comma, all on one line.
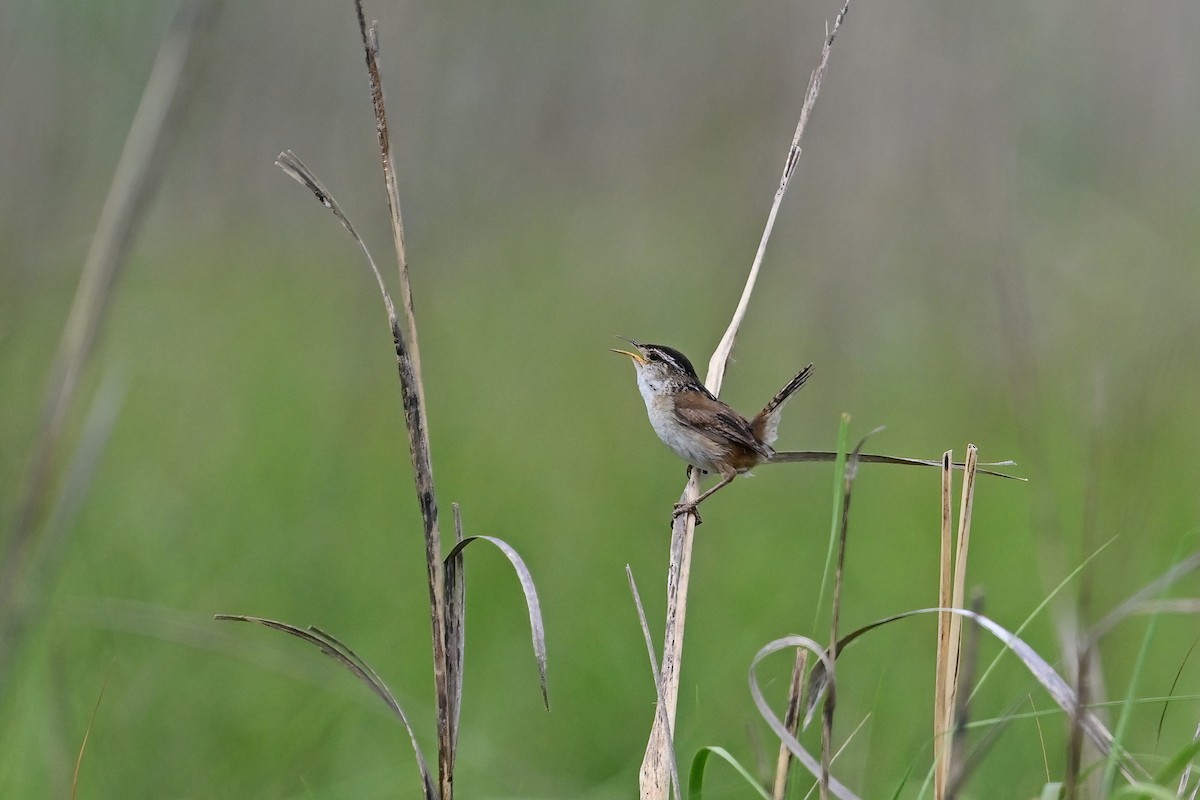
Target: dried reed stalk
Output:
[(791, 721), (654, 777), (950, 632), (408, 361)]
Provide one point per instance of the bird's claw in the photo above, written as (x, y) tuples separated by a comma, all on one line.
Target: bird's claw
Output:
[(685, 508)]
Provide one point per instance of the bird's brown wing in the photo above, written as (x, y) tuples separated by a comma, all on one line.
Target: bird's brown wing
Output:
[(719, 422)]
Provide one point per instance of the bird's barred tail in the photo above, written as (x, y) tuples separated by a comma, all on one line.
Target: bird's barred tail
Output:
[(766, 425), (787, 391)]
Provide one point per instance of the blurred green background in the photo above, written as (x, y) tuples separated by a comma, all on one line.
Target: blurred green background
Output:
[(993, 236)]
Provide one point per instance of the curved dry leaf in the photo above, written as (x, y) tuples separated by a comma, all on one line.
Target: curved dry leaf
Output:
[(1054, 684), (776, 724), (360, 669), (536, 627)]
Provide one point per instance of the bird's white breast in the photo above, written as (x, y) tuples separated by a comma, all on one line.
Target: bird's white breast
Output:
[(695, 449)]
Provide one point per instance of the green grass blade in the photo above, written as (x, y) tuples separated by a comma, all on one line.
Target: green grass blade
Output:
[(835, 524), (696, 774)]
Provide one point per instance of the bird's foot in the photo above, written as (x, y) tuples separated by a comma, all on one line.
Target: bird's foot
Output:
[(685, 508)]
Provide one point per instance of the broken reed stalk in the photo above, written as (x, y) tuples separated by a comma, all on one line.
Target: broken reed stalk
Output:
[(952, 593), (134, 180), (791, 721), (654, 776)]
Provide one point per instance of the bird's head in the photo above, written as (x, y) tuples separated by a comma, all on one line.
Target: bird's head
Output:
[(659, 367)]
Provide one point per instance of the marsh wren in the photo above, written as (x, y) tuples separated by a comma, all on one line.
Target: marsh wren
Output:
[(699, 428)]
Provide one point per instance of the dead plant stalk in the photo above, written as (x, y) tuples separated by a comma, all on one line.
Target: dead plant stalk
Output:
[(655, 775)]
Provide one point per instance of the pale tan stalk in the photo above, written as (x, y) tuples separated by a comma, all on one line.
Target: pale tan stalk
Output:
[(655, 774)]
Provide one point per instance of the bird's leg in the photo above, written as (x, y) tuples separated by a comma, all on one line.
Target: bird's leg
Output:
[(690, 507)]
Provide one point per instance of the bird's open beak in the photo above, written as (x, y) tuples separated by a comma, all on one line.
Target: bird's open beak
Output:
[(638, 357), (635, 356)]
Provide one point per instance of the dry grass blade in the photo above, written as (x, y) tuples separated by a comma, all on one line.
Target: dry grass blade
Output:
[(1055, 685), (777, 725), (807, 456), (414, 419), (360, 669), (659, 709), (653, 774), (536, 627), (296, 169), (134, 179)]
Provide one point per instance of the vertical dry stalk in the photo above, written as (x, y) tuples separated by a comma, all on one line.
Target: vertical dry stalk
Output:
[(413, 399), (654, 777), (446, 578), (945, 592), (946, 694), (134, 180), (720, 357)]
